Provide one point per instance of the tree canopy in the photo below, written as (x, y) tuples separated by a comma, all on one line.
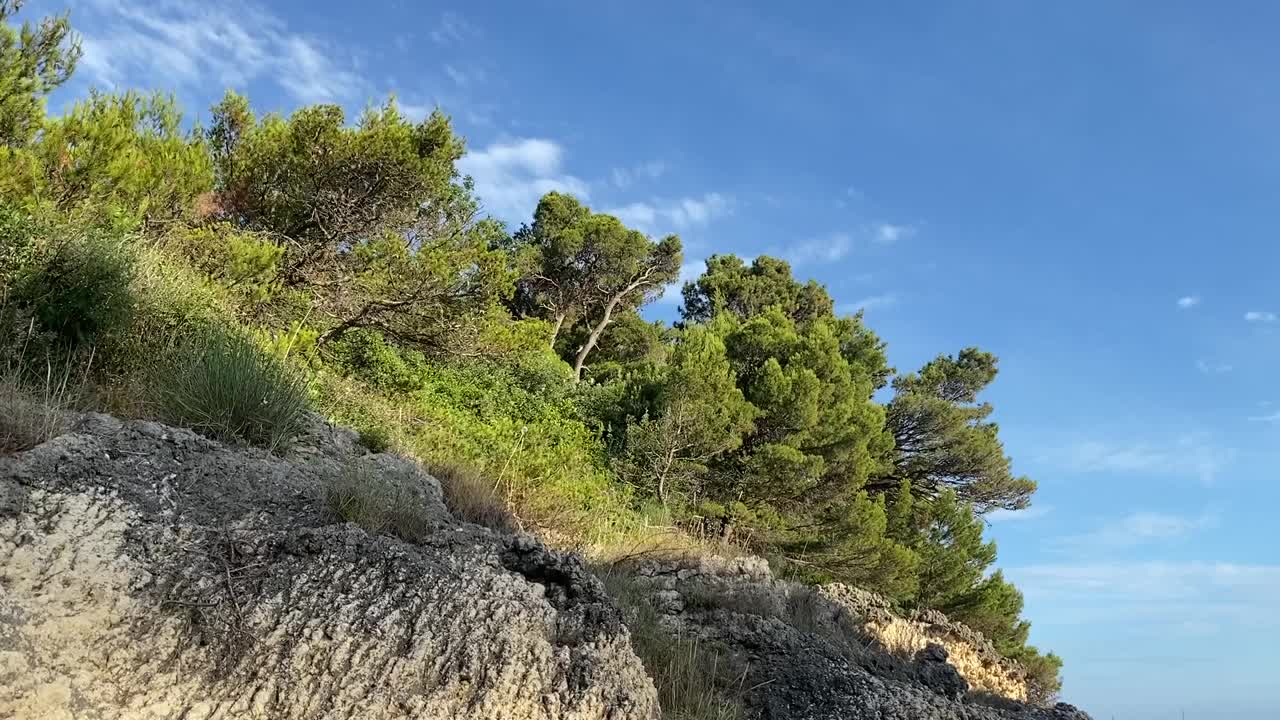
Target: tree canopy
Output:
[(588, 267)]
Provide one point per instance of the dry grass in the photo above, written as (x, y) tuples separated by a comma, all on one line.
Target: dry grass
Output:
[(472, 497), (382, 506), (36, 406), (693, 679)]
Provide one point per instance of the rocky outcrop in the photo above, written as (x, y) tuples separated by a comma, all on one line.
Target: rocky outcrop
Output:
[(147, 572), (818, 654)]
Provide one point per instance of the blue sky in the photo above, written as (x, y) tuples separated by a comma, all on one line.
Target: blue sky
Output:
[(1087, 189)]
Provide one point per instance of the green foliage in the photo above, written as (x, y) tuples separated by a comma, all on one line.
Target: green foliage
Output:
[(532, 445), (247, 264), (942, 437), (376, 438), (588, 267), (372, 220), (699, 415), (730, 286), (34, 60), (126, 154), (227, 387), (75, 280)]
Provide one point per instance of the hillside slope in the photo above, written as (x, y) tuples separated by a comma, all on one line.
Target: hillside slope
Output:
[(152, 573)]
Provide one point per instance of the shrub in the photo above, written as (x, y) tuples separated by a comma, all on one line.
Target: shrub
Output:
[(472, 497), (376, 438), (226, 387), (79, 287)]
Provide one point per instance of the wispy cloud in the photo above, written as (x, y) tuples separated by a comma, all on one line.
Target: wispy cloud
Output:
[(1271, 417), (1186, 455), (186, 44), (1151, 580), (678, 214), (1141, 527), (1209, 368), (1187, 302), (889, 233), (868, 303), (625, 177), (1032, 513), (826, 249), (453, 29), (1260, 316), (511, 176)]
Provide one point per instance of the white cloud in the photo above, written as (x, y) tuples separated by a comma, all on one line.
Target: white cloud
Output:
[(1031, 513), (1188, 301), (888, 233), (1141, 527), (678, 214), (185, 43), (1151, 580), (511, 176), (1260, 316), (868, 303), (827, 249), (624, 177), (1187, 455), (1273, 417), (1213, 368)]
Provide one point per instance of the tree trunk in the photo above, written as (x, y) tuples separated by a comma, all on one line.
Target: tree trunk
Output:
[(555, 329), (594, 338)]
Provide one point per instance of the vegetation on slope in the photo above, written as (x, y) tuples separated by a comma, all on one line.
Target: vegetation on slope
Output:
[(347, 266)]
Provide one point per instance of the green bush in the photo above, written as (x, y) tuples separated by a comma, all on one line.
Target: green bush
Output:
[(226, 387), (376, 438), (78, 285)]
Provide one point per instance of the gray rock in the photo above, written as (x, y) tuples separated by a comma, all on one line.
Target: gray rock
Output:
[(147, 572)]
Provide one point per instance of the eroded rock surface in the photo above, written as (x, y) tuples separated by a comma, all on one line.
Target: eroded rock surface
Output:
[(815, 654), (147, 572)]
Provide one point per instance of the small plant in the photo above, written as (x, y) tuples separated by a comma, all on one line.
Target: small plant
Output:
[(380, 505), (376, 438), (34, 409), (226, 387), (472, 497)]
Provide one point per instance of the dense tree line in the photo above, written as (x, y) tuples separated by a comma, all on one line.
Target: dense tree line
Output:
[(753, 419)]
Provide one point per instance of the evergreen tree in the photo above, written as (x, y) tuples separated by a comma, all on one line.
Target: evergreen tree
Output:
[(943, 439), (700, 414), (34, 61), (588, 267)]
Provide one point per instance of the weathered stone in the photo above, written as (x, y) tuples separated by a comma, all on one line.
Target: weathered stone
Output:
[(147, 572)]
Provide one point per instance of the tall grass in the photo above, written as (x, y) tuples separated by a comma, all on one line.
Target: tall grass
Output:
[(693, 679), (226, 387), (36, 402), (472, 497)]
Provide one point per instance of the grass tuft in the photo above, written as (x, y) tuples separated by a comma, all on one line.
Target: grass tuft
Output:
[(380, 505), (226, 387), (473, 498), (694, 680), (35, 407)]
